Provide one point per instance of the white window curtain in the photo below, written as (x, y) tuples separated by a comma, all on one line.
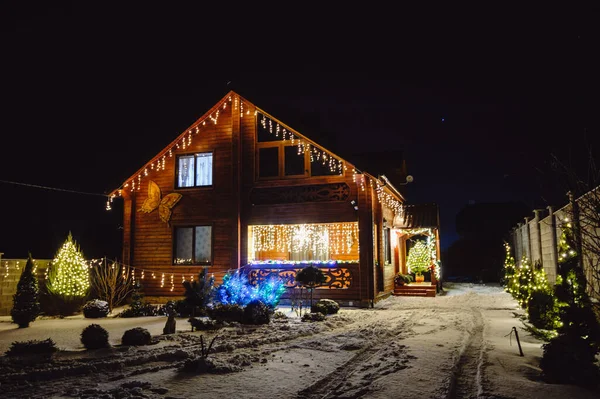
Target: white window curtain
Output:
[(203, 244), (186, 171), (204, 169), (183, 247)]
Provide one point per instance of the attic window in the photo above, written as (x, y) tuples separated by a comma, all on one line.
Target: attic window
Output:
[(195, 170)]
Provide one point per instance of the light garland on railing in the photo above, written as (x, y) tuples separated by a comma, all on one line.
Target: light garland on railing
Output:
[(318, 238), (334, 164)]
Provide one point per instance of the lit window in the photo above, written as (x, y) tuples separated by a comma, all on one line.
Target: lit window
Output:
[(195, 170), (193, 245)]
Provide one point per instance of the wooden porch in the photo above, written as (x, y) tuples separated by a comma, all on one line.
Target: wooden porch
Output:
[(427, 289)]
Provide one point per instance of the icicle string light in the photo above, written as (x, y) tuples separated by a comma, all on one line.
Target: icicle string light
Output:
[(335, 164), (184, 141), (388, 200), (336, 238)]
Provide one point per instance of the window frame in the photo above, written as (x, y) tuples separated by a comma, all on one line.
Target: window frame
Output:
[(387, 246), (193, 227), (280, 145), (195, 154)]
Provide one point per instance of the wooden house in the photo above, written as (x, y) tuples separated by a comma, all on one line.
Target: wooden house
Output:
[(241, 189)]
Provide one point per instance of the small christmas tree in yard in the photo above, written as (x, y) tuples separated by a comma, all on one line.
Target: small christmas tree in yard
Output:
[(198, 293), (570, 357), (26, 305), (68, 277)]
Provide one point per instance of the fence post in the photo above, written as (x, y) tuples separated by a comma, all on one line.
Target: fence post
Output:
[(528, 230), (554, 240), (539, 234)]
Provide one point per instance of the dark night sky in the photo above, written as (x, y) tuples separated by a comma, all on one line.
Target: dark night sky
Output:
[(476, 99)]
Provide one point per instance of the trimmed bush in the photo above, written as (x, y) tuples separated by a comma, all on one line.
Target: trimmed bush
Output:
[(313, 317), (256, 312), (138, 307), (96, 309), (94, 336), (325, 306), (279, 315), (136, 337), (223, 312), (33, 347)]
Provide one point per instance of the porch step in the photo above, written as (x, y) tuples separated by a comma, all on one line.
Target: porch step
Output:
[(415, 290)]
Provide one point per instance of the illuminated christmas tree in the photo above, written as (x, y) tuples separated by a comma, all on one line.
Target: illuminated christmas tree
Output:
[(570, 357), (69, 275), (419, 258)]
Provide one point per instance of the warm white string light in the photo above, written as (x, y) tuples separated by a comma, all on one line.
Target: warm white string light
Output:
[(336, 238), (335, 165)]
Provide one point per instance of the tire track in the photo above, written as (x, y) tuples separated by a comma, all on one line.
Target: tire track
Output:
[(467, 373), (381, 357)]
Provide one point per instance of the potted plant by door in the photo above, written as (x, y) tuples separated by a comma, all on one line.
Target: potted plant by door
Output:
[(402, 279)]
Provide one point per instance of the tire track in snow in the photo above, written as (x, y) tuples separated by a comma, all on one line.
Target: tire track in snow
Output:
[(467, 373), (355, 377)]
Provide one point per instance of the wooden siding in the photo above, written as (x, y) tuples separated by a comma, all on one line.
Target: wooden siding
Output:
[(151, 244), (226, 206)]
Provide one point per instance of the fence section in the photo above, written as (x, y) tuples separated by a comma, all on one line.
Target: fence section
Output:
[(538, 238)]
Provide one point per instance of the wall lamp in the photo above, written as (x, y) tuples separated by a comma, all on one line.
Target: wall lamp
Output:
[(384, 180), (354, 204)]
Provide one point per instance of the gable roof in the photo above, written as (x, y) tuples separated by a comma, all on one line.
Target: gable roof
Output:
[(234, 100)]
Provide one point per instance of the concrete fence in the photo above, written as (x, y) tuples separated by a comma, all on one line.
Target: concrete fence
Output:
[(10, 272), (537, 238)]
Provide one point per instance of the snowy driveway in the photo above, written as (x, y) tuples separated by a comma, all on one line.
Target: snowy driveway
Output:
[(451, 346)]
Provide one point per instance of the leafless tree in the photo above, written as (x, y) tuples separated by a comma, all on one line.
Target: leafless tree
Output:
[(112, 282)]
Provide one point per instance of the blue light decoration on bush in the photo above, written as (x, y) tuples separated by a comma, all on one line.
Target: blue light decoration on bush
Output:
[(237, 290)]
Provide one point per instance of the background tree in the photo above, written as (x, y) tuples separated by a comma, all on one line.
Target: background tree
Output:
[(112, 283), (26, 305), (68, 277)]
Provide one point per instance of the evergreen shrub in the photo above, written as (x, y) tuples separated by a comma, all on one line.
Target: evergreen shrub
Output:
[(225, 312), (325, 306), (257, 312), (33, 347), (137, 336), (94, 336), (96, 309), (26, 305)]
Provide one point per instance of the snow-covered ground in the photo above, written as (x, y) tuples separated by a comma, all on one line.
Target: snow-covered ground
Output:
[(457, 345)]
